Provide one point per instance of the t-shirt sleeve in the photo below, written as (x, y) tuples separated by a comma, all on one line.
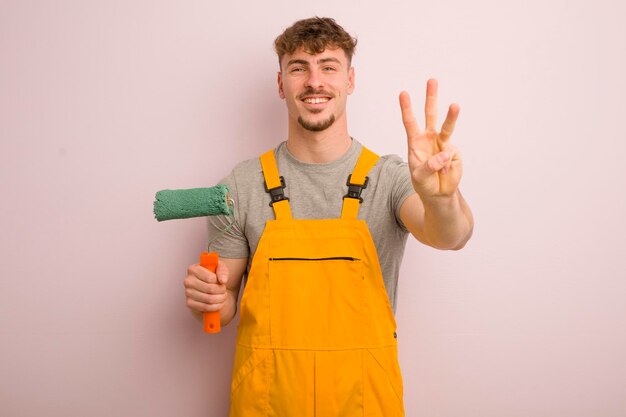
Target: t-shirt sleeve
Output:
[(226, 232), (399, 177)]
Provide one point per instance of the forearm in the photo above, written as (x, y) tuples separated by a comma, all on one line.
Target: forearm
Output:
[(448, 221)]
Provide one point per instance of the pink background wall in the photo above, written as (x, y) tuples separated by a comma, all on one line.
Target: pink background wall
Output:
[(103, 103)]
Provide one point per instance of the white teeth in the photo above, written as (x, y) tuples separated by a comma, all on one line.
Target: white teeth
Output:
[(316, 100)]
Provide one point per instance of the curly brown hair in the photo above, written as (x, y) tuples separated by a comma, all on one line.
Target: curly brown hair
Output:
[(314, 35)]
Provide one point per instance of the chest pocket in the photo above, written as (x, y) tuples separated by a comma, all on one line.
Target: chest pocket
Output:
[(316, 291)]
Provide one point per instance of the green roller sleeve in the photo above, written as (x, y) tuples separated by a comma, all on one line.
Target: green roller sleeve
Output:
[(194, 202)]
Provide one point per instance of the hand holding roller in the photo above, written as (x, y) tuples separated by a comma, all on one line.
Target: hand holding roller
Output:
[(196, 202)]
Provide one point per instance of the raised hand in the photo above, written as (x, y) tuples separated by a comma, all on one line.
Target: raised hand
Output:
[(435, 164)]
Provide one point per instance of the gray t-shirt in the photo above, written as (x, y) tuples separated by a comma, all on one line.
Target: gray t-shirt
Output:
[(316, 191)]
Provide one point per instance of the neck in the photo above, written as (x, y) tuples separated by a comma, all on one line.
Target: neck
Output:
[(318, 147)]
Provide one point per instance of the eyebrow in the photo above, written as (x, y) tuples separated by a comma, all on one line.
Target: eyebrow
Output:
[(330, 59), (319, 61)]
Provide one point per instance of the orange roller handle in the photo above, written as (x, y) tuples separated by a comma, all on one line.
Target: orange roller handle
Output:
[(211, 318)]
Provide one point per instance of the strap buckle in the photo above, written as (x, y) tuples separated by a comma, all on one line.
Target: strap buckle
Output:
[(277, 193), (355, 190)]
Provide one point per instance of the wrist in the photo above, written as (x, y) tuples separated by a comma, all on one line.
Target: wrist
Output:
[(227, 313), (448, 222), (441, 203)]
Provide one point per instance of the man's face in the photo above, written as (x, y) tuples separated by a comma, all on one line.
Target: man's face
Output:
[(316, 87)]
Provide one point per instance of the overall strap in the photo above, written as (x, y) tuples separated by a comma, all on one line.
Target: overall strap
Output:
[(356, 183), (275, 186)]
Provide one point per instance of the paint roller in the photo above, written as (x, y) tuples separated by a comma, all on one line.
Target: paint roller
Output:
[(197, 202)]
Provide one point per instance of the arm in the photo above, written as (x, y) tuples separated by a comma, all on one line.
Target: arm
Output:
[(206, 291), (437, 215), (443, 224)]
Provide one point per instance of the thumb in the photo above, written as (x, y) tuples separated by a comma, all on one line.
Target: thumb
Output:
[(436, 162), (222, 272)]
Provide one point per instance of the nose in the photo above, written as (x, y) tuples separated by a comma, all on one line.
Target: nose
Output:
[(314, 80)]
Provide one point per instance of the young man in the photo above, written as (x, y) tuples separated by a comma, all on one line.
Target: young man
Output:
[(317, 334)]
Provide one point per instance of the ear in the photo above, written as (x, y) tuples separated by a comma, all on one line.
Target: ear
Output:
[(350, 80), (281, 93)]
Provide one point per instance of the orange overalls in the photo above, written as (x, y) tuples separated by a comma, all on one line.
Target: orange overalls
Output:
[(316, 336)]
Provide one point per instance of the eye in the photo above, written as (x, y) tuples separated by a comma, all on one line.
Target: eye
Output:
[(329, 68), (297, 69)]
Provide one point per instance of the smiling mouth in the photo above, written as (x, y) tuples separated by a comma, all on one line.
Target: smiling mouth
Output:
[(316, 100)]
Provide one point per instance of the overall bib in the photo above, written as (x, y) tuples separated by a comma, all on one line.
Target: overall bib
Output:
[(316, 336)]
